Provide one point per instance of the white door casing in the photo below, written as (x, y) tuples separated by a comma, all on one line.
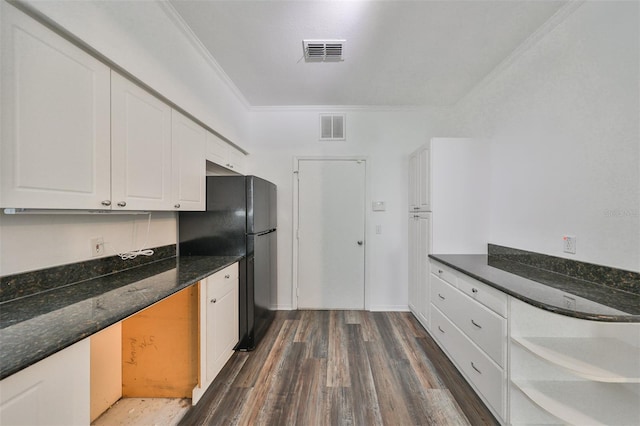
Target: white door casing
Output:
[(331, 233)]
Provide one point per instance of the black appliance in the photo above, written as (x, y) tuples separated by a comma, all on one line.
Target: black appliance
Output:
[(240, 219)]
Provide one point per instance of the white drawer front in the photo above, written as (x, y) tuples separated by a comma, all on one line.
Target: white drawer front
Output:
[(444, 296), (443, 272), (222, 282), (490, 297), (487, 329), (487, 377), (481, 325), (446, 334)]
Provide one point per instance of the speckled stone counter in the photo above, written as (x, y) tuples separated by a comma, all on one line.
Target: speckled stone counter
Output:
[(36, 326), (546, 290)]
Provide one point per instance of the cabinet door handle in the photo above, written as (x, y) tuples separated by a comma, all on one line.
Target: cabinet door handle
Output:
[(106, 203), (441, 330), (476, 324), (474, 290), (441, 296), (122, 203), (475, 368), (227, 276), (440, 271), (416, 208), (177, 206), (214, 300)]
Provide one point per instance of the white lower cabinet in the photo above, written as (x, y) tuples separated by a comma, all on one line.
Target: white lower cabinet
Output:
[(54, 391), (219, 330), (473, 336)]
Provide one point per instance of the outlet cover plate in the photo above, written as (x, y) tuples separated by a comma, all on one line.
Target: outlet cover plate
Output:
[(569, 244)]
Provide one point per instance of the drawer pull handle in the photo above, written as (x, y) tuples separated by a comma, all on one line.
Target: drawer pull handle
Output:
[(440, 271), (214, 300), (474, 290), (227, 276), (475, 368), (476, 324), (441, 330), (441, 296)]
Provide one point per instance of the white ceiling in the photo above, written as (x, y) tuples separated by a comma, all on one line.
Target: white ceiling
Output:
[(397, 53)]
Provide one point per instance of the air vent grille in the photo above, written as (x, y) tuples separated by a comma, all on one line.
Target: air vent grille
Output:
[(332, 127), (323, 50)]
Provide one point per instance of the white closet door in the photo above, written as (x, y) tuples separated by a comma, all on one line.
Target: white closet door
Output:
[(331, 220)]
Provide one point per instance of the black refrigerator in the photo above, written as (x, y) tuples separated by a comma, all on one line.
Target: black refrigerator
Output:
[(240, 219)]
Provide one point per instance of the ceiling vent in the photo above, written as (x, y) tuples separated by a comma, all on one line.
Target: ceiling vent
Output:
[(323, 50), (332, 127)]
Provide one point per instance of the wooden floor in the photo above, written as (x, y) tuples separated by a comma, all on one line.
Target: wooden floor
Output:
[(341, 368)]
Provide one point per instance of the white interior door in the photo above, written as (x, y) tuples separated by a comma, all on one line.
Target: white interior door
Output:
[(331, 230)]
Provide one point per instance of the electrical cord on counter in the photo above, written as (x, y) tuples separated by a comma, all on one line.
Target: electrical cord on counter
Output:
[(141, 252)]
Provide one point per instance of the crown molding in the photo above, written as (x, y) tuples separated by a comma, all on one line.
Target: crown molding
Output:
[(339, 108), (549, 25), (180, 23)]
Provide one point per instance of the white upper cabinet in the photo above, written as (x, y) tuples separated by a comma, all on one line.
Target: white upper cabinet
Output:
[(140, 148), (223, 154), (419, 178), (188, 169), (55, 120)]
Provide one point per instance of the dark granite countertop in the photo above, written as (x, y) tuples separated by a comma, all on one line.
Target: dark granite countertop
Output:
[(38, 325), (545, 289)]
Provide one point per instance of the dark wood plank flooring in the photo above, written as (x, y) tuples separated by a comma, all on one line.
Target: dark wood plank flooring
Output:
[(341, 368)]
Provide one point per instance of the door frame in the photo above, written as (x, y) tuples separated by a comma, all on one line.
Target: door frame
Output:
[(367, 202)]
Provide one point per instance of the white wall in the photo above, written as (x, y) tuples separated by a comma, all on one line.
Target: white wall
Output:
[(564, 120), (386, 138), (143, 39)]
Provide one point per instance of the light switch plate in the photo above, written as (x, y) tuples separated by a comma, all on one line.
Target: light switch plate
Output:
[(378, 206)]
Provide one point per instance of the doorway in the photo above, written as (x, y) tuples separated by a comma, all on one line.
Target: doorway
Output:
[(330, 237)]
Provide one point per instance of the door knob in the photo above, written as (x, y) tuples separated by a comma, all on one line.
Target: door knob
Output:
[(360, 242)]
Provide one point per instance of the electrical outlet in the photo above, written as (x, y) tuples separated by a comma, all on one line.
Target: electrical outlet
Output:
[(569, 244), (97, 246)]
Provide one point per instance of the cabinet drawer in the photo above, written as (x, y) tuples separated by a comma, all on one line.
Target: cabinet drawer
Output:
[(487, 329), (446, 334), (481, 325), (444, 296), (443, 272), (488, 378), (490, 297), (222, 282)]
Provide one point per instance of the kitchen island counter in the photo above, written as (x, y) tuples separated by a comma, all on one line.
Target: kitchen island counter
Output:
[(38, 325)]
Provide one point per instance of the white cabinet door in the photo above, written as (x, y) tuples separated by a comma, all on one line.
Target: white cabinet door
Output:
[(223, 154), (140, 148), (423, 229), (55, 119), (219, 325), (216, 149), (54, 391), (236, 160), (413, 182), (413, 264), (423, 187), (419, 243), (222, 319), (188, 169)]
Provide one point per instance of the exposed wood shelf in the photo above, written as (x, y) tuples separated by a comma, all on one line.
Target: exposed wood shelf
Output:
[(584, 402), (599, 359)]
